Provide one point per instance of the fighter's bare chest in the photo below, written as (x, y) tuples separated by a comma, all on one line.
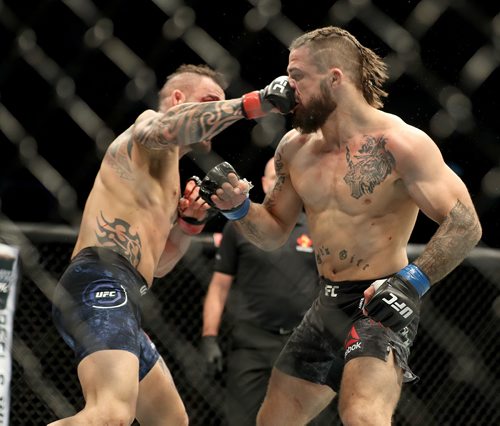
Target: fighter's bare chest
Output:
[(349, 176)]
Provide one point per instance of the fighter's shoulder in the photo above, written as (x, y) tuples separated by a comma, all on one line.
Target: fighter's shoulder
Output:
[(401, 135), (292, 141), (148, 114), (408, 144)]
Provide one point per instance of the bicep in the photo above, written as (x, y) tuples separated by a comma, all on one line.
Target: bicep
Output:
[(283, 202), (438, 194)]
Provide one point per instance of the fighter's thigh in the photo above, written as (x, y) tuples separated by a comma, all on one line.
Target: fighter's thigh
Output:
[(109, 381), (292, 401), (371, 382), (159, 402)]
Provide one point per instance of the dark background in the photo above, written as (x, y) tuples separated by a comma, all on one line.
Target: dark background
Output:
[(74, 74)]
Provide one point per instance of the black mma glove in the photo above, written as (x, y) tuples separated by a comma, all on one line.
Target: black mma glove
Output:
[(213, 181), (396, 301), (277, 95), (191, 225), (211, 351)]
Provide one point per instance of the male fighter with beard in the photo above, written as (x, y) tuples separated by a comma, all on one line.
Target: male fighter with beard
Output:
[(362, 176), (134, 227)]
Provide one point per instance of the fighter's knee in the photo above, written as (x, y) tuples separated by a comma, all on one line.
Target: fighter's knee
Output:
[(361, 414), (115, 414)]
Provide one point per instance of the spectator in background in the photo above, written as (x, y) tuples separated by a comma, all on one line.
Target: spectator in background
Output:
[(266, 293)]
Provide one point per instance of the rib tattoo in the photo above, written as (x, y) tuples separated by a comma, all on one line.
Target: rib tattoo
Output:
[(118, 157), (117, 236)]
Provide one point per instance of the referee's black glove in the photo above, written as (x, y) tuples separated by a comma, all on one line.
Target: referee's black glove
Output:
[(212, 353)]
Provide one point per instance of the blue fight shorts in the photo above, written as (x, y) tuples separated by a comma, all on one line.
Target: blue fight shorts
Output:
[(335, 330), (96, 306)]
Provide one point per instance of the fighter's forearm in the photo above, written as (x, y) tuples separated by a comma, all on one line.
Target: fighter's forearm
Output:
[(187, 123), (455, 238), (261, 229)]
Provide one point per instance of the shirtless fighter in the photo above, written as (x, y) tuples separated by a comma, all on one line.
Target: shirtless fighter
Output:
[(135, 228), (362, 176)]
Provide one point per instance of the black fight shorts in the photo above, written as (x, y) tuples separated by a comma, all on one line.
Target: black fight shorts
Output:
[(334, 331), (96, 306)]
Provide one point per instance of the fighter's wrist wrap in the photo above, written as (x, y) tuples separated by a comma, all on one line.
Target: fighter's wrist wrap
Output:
[(251, 105), (239, 212), (189, 228), (415, 276)]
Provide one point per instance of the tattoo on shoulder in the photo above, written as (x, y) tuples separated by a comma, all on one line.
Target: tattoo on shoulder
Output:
[(369, 167), (117, 236), (119, 157)]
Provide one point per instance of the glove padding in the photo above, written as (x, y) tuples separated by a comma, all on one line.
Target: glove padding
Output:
[(278, 94), (212, 353), (395, 303), (214, 180)]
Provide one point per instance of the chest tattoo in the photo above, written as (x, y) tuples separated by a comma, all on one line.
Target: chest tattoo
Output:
[(369, 166)]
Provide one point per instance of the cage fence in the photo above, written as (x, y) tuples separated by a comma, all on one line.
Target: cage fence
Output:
[(455, 353), (74, 89)]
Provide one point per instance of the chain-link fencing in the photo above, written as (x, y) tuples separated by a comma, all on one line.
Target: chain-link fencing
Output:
[(455, 354)]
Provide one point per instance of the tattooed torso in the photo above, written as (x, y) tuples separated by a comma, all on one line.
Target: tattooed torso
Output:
[(133, 204), (359, 211)]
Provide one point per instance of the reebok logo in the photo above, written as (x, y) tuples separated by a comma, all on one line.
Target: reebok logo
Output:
[(352, 343), (400, 307), (351, 348)]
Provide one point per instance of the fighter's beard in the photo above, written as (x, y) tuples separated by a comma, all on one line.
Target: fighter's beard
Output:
[(309, 118)]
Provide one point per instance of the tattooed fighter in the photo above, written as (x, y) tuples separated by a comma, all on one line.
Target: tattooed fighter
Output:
[(135, 228), (362, 176)]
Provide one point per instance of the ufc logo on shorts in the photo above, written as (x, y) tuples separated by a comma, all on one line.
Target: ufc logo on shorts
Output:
[(101, 294), (401, 307), (280, 84), (330, 290)]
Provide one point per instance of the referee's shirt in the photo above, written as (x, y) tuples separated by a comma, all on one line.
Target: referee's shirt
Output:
[(271, 289)]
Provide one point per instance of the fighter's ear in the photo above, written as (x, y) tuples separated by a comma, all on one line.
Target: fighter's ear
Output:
[(336, 75), (177, 97)]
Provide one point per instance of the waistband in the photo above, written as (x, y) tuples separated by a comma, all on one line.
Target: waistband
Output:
[(348, 286), (110, 257)]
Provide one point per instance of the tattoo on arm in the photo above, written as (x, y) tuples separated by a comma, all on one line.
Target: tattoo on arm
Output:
[(455, 237), (117, 236), (369, 167), (270, 199), (251, 231), (188, 123)]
